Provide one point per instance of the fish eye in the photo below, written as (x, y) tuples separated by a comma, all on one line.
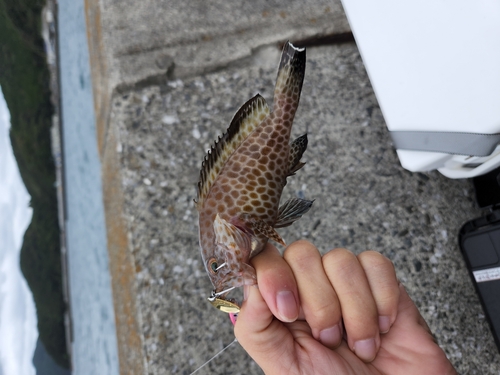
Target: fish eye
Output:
[(212, 265)]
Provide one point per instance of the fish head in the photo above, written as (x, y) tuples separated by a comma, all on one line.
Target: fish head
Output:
[(228, 266)]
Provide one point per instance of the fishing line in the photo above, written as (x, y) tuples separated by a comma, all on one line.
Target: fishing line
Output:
[(215, 356)]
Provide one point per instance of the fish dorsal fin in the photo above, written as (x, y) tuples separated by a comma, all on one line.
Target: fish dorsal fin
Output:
[(244, 122), (297, 149)]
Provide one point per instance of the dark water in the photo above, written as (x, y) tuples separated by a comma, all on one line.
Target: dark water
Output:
[(44, 363)]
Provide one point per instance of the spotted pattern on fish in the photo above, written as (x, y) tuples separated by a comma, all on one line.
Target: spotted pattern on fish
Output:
[(242, 178)]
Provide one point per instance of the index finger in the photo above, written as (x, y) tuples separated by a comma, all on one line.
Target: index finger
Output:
[(277, 284)]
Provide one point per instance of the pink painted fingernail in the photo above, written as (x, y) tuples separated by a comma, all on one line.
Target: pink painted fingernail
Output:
[(287, 306), (384, 324), (331, 336), (365, 349), (233, 317)]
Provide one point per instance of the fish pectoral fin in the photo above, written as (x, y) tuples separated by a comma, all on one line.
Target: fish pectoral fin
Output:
[(258, 226), (230, 235), (297, 149), (249, 276), (291, 211)]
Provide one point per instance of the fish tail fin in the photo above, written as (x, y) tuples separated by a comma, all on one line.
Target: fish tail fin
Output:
[(290, 77)]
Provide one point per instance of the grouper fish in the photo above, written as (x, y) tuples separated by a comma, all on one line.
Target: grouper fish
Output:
[(241, 181)]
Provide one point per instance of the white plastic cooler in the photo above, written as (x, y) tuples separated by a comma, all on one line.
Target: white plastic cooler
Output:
[(435, 69)]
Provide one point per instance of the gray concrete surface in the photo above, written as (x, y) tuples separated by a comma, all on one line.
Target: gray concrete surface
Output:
[(179, 38), (158, 125), (364, 200)]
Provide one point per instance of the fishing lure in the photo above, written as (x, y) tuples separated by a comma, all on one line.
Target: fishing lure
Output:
[(241, 181)]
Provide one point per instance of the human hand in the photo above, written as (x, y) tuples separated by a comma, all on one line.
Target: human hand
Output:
[(336, 314)]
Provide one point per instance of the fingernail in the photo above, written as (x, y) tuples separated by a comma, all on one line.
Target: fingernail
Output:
[(233, 317), (384, 324), (287, 306), (330, 336), (365, 349)]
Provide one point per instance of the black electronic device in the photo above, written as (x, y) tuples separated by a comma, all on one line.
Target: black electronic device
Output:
[(479, 241)]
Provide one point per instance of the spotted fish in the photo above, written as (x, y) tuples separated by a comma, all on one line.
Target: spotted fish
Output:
[(241, 181)]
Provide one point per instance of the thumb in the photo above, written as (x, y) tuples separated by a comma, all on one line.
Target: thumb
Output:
[(263, 337)]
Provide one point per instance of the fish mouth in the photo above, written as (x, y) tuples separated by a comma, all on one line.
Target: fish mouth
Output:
[(227, 305)]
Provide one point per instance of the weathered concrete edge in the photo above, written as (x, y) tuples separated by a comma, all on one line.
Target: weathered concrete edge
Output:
[(121, 264)]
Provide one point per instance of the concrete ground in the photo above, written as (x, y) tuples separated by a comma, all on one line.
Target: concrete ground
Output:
[(167, 81)]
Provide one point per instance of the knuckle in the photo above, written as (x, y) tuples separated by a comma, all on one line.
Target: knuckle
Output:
[(371, 254), (324, 314), (374, 259), (389, 298), (300, 252), (339, 259)]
